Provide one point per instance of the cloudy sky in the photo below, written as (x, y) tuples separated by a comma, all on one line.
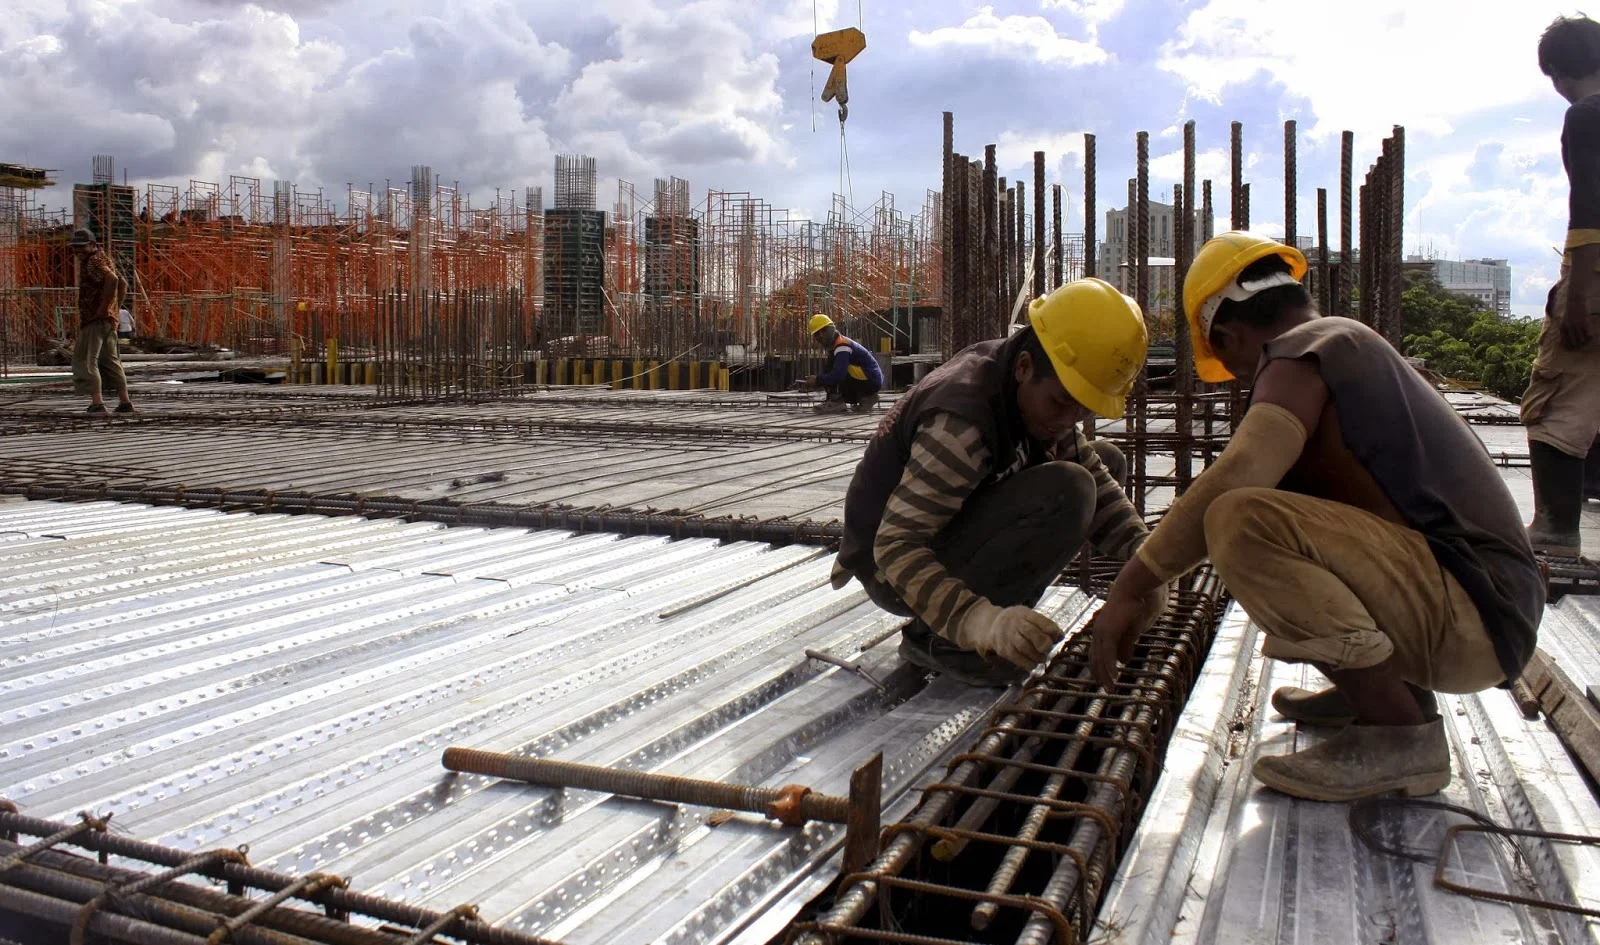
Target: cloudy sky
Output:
[(331, 92)]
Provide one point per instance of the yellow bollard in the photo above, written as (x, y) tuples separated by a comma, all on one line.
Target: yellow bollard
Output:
[(694, 375), (372, 373), (616, 375), (655, 375), (332, 370), (885, 345)]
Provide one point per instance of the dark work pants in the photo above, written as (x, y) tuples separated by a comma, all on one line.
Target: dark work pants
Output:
[(1012, 540), (851, 390)]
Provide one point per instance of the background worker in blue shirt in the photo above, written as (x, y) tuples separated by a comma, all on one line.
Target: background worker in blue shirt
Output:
[(853, 377)]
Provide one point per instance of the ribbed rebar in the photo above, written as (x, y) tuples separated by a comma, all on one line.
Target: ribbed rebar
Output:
[(1291, 193), (1341, 303), (1090, 249), (1324, 289), (547, 772), (1038, 224)]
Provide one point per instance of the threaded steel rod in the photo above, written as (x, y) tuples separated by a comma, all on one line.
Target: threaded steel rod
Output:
[(804, 803)]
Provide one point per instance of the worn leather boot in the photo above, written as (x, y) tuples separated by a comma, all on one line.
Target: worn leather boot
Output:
[(1363, 761), (1557, 501), (1329, 707)]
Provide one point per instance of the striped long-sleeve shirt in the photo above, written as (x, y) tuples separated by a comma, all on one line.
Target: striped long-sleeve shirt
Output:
[(948, 462)]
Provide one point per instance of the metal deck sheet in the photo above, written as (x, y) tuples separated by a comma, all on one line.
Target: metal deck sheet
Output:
[(1220, 858), (290, 682)]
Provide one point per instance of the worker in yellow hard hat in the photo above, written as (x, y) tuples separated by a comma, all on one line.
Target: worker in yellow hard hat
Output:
[(853, 378), (978, 488), (1357, 520)]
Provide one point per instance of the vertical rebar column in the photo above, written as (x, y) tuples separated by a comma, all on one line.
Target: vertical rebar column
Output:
[(1024, 282), (1183, 382), (1380, 193), (1235, 192), (1342, 300), (1364, 257), (1141, 409), (958, 257), (988, 297), (1090, 248), (1208, 214), (1324, 289), (978, 292), (1038, 224), (1244, 205), (1395, 251), (1291, 192), (947, 237), (1057, 272), (1008, 232)]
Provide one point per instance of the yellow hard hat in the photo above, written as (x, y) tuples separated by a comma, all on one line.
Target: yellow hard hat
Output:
[(1214, 276), (819, 321), (1096, 340)]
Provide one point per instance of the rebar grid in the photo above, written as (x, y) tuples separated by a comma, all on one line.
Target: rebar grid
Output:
[(149, 907), (1059, 771)]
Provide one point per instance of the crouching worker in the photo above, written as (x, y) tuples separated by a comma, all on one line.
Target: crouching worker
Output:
[(853, 377), (1357, 520), (977, 489)]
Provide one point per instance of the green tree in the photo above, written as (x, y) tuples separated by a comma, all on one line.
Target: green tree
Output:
[(1462, 339)]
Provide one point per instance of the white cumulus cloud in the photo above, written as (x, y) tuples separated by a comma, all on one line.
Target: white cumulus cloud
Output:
[(1033, 37)]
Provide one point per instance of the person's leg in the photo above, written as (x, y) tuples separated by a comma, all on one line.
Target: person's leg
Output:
[(1561, 411), (859, 394), (1008, 544), (109, 364), (1365, 600), (85, 365), (833, 401)]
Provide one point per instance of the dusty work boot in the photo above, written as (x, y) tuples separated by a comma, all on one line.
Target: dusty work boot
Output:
[(1363, 761), (830, 406), (920, 646), (865, 404), (1329, 707), (96, 410), (1558, 481)]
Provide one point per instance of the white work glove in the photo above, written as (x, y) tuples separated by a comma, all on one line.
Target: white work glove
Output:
[(1018, 634)]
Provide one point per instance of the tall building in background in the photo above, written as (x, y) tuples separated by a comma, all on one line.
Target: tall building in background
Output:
[(1487, 280), (574, 252), (1114, 250)]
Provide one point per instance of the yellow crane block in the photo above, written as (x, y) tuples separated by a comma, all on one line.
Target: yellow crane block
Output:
[(837, 48)]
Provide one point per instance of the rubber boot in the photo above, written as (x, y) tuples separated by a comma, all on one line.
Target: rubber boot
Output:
[(1329, 706), (1363, 761), (1557, 501), (1591, 472)]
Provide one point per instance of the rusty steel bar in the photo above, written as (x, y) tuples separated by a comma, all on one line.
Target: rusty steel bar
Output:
[(253, 877), (1141, 387), (1395, 251), (1058, 271), (1341, 302), (1235, 190), (993, 271), (1023, 282), (86, 823), (1291, 193), (792, 804), (947, 231), (1207, 214), (1005, 212), (1244, 205), (1324, 289), (1082, 837), (1089, 248), (1183, 352), (1038, 224)]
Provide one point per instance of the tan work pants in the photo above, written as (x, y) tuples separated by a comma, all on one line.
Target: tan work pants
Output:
[(1561, 406), (1329, 583), (95, 364)]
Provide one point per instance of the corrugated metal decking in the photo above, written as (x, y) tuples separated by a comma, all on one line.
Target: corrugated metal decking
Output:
[(1220, 858), (290, 683)]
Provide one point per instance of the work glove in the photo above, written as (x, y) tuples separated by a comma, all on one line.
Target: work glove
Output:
[(1019, 635)]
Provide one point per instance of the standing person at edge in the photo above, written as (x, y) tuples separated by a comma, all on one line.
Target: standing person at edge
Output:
[(1357, 520), (977, 489), (1561, 407), (95, 363), (853, 378)]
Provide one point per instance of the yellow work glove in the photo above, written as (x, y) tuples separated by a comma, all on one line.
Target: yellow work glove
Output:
[(1018, 634)]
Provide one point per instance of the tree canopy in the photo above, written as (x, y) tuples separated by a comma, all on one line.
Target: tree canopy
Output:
[(1463, 339)]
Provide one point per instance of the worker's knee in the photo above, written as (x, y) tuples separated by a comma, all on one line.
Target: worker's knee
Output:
[(1058, 494), (1240, 522), (1115, 462)]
